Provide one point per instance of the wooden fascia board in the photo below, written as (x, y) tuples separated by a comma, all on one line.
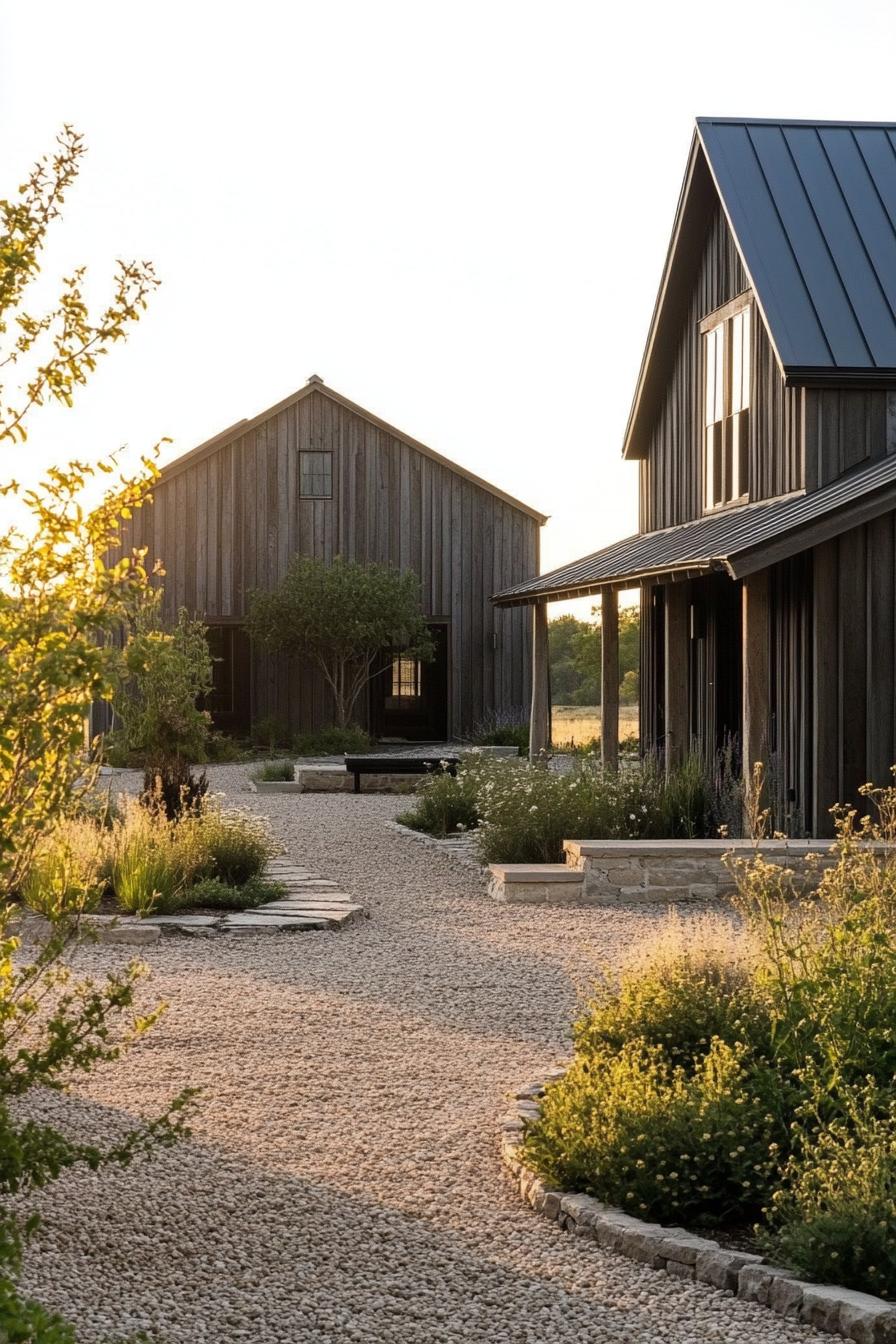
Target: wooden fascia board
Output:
[(241, 427), (863, 510), (618, 583), (850, 379), (201, 451), (634, 447), (629, 450)]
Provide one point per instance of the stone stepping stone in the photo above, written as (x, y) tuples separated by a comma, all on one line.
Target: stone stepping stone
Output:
[(312, 894), (194, 921), (335, 917), (293, 906), (254, 923)]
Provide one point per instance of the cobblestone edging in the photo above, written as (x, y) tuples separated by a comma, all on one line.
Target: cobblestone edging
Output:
[(460, 847), (858, 1316)]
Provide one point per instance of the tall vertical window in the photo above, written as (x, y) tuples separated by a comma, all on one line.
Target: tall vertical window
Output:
[(726, 362), (405, 678), (316, 475)]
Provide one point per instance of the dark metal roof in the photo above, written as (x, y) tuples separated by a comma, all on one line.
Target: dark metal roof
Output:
[(737, 541), (812, 206)]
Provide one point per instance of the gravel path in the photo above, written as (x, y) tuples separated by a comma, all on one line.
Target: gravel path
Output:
[(342, 1182)]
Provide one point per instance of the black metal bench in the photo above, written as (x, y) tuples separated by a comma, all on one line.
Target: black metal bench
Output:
[(398, 765)]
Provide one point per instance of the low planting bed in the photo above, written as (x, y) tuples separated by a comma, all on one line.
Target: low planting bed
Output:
[(126, 858), (524, 813), (738, 1079), (859, 1316)]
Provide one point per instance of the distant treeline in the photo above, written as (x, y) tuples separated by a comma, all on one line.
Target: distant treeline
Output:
[(575, 659)]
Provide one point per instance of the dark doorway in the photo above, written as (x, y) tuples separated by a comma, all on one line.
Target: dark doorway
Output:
[(715, 672), (409, 699), (229, 700)]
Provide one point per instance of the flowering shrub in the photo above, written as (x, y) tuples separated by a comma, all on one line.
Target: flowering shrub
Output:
[(753, 1075), (527, 813), (524, 812), (662, 1141)]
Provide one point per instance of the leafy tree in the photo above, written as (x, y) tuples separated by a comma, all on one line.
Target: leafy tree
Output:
[(167, 675), (575, 653), (62, 602), (341, 617)]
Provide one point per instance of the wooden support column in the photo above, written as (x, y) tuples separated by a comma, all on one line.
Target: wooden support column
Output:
[(825, 687), (609, 678), (677, 678), (755, 612), (540, 716)]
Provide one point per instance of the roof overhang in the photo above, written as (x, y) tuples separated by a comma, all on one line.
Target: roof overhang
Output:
[(736, 541)]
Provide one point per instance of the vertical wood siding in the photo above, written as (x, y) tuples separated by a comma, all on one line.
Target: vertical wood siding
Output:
[(231, 522), (854, 651), (671, 476)]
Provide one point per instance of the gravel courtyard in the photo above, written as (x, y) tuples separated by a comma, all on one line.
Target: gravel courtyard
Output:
[(342, 1182)]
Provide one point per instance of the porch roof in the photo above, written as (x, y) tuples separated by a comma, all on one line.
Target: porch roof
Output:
[(734, 541)]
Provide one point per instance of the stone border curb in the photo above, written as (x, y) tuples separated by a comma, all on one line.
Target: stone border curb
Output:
[(126, 930), (460, 847), (858, 1316)]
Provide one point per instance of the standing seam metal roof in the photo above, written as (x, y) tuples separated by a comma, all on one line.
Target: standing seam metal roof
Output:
[(812, 206), (734, 540)]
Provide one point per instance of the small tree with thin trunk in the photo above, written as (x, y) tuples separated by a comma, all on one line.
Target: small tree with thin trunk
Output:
[(342, 617)]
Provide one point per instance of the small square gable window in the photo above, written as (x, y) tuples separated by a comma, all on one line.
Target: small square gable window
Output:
[(316, 475)]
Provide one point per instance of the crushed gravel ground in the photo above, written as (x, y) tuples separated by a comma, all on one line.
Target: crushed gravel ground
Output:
[(342, 1182)]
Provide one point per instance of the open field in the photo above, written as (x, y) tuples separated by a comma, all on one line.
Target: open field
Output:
[(581, 723)]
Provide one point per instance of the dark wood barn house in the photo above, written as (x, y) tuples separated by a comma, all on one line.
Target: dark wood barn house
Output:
[(764, 428), (317, 475)]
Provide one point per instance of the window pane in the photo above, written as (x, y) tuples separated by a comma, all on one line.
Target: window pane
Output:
[(315, 475), (720, 374), (220, 644), (713, 465), (710, 348), (745, 374), (405, 677), (737, 360), (741, 436)]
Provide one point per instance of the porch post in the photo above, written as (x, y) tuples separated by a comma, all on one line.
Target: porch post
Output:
[(540, 716), (755, 612), (609, 678), (825, 753), (676, 674)]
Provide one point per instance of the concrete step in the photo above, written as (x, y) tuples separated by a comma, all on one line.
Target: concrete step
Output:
[(536, 884)]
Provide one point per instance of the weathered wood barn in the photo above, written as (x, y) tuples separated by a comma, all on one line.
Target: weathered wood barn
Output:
[(764, 426), (317, 475)]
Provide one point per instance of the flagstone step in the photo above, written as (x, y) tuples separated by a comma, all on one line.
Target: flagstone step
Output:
[(307, 902)]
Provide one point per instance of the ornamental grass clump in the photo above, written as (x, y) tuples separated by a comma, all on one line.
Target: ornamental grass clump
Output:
[(445, 804), (232, 846), (70, 869), (273, 772)]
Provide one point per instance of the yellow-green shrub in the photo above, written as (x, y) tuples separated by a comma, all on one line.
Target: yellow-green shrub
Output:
[(659, 1140), (834, 1217)]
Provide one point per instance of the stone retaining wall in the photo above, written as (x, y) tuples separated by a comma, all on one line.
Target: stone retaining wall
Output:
[(859, 1316), (617, 871)]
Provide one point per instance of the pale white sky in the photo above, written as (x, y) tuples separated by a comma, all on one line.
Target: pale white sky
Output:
[(455, 213)]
